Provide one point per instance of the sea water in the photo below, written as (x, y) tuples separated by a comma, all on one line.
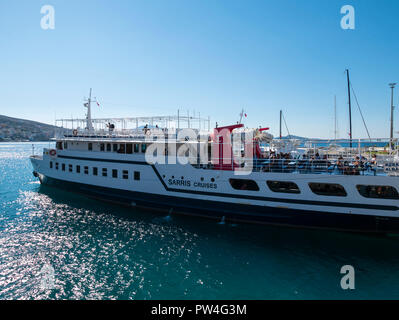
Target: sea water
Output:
[(95, 250)]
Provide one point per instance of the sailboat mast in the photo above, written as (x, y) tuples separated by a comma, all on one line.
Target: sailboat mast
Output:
[(335, 119), (391, 146), (281, 116), (350, 109)]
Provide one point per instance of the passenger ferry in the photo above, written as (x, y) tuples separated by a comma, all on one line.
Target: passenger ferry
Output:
[(231, 173)]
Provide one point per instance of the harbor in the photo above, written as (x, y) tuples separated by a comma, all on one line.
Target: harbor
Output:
[(113, 252), (199, 159)]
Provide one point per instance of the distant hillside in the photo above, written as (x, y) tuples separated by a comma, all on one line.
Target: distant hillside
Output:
[(12, 129), (294, 137)]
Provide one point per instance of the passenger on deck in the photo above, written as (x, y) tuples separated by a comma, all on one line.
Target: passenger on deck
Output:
[(374, 159)]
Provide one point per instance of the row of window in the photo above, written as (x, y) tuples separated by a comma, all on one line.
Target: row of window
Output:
[(95, 172), (128, 148), (322, 189)]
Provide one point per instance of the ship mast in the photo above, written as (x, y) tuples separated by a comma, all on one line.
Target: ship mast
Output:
[(89, 123)]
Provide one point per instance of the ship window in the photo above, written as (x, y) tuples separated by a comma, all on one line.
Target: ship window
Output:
[(59, 145), (108, 147), (51, 164), (115, 147), (136, 148), (137, 175), (104, 172), (244, 184), (283, 186), (86, 170), (143, 148), (125, 174), (65, 145), (95, 171), (102, 147), (63, 167), (77, 169), (70, 168), (328, 189), (56, 166), (379, 192), (90, 147), (129, 148), (122, 148), (114, 173)]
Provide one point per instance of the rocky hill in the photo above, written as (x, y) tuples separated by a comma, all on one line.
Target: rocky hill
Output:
[(12, 129)]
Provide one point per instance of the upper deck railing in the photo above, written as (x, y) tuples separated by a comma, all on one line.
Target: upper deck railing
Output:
[(137, 127)]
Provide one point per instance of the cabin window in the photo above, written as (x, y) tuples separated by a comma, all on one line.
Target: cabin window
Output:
[(65, 145), (283, 186), (328, 189), (104, 172), (56, 166), (63, 167), (143, 148), (122, 148), (125, 174), (136, 148), (102, 147), (90, 147), (86, 170), (77, 169), (108, 147), (95, 171), (115, 147), (51, 164), (114, 173), (129, 148), (59, 145), (378, 192), (244, 184), (70, 168), (137, 175)]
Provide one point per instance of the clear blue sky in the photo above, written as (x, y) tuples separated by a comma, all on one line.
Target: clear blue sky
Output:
[(215, 56)]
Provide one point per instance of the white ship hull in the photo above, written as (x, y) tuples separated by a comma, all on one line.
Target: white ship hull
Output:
[(185, 189)]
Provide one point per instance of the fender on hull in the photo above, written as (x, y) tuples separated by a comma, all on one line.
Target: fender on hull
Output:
[(234, 212)]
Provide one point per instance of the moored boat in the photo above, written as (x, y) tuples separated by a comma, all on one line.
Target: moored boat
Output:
[(225, 173)]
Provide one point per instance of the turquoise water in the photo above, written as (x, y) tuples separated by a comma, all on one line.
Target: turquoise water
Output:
[(102, 251)]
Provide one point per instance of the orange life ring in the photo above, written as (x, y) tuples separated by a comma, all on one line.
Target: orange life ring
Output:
[(53, 153)]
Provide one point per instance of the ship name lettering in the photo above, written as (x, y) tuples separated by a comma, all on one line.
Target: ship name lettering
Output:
[(175, 182), (205, 185)]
